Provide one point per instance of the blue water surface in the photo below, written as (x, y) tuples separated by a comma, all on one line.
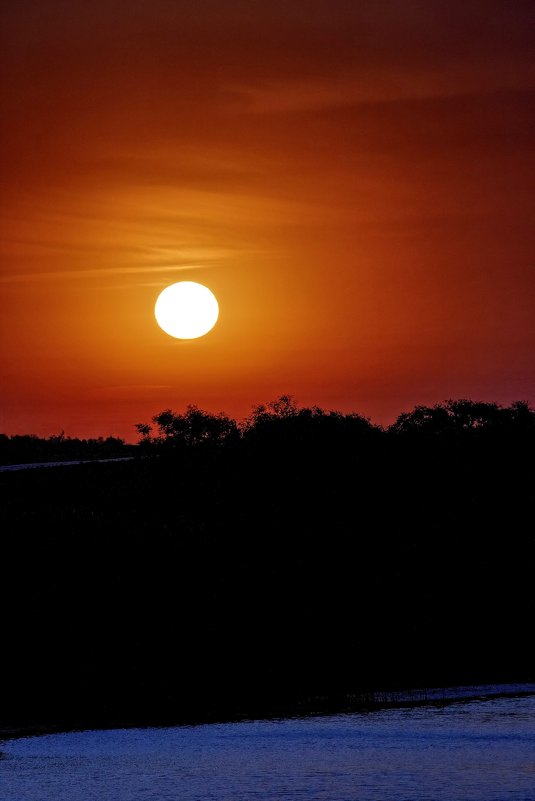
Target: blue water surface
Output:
[(467, 751)]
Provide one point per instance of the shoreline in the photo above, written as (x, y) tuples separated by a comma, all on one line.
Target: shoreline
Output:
[(14, 468), (352, 704)]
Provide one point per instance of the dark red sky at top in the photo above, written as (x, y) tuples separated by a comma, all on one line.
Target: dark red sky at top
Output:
[(353, 180)]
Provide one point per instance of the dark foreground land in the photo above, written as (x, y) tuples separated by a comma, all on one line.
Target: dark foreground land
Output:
[(307, 560)]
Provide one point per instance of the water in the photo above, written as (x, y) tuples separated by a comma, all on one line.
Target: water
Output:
[(467, 751), (11, 468)]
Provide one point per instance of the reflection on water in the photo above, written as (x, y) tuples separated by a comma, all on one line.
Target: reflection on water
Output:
[(472, 751)]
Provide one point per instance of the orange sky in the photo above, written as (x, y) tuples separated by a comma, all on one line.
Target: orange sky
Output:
[(353, 180)]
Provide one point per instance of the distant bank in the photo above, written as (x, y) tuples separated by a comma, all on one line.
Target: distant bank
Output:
[(317, 707)]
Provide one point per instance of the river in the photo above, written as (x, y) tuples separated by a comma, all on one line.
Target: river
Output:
[(478, 750)]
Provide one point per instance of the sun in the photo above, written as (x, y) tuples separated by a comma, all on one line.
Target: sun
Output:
[(186, 310)]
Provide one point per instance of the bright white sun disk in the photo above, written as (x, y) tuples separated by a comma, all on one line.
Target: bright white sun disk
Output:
[(186, 310)]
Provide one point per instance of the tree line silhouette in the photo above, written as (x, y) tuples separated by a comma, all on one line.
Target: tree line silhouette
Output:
[(256, 567), (29, 448), (283, 418)]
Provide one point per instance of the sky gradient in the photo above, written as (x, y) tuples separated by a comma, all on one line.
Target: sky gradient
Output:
[(353, 180)]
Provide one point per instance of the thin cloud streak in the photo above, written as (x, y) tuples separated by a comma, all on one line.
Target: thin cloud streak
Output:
[(79, 274), (383, 89)]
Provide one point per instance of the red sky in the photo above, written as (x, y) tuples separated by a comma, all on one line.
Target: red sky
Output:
[(353, 180)]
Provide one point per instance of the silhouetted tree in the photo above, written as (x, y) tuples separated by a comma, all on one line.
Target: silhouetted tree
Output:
[(284, 419), (193, 428), (457, 416)]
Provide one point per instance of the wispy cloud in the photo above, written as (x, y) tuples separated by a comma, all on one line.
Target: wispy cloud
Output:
[(380, 86), (82, 274)]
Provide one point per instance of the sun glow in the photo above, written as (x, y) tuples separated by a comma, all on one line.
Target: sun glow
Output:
[(186, 310)]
